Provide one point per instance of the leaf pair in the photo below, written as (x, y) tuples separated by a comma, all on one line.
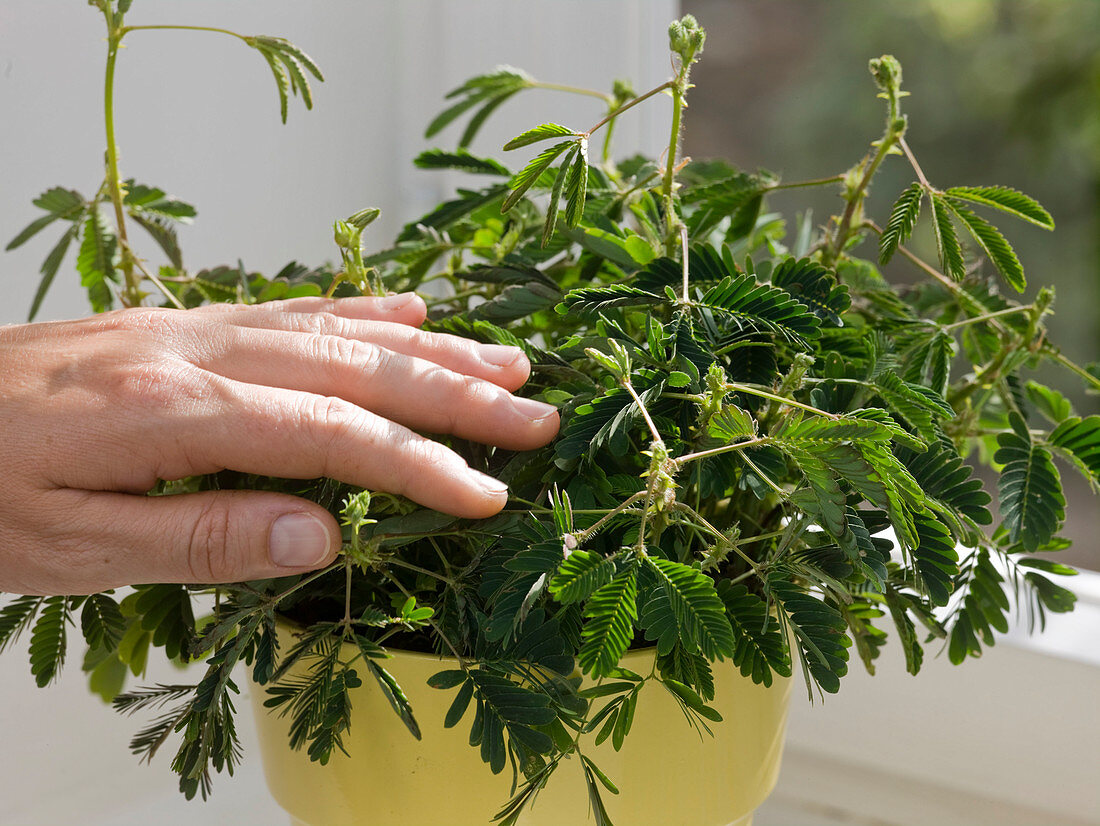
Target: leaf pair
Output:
[(952, 203)]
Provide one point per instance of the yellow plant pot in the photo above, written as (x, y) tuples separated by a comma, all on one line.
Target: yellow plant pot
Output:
[(667, 773)]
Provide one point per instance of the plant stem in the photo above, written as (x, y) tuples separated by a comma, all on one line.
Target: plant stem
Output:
[(156, 281), (764, 394), (816, 182), (1080, 371), (628, 105), (988, 316), (670, 164), (127, 29), (131, 295), (913, 162), (583, 536), (575, 90), (714, 451)]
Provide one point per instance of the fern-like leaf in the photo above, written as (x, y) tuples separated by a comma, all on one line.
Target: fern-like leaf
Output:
[(49, 640), (903, 217), (461, 160), (610, 613), (526, 177), (97, 260), (16, 617), (684, 608), (760, 649), (102, 622), (815, 286), (541, 132), (994, 244), (1007, 200), (1032, 503), (947, 240), (582, 573), (1078, 440)]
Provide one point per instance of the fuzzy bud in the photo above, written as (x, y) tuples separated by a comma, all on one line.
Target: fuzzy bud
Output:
[(686, 37), (887, 73)]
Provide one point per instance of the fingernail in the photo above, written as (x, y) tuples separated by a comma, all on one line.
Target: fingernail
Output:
[(298, 540), (494, 487), (500, 355), (533, 409), (400, 301)]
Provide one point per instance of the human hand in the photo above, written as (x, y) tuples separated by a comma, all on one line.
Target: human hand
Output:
[(94, 412)]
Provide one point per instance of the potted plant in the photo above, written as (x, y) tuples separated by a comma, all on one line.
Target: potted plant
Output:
[(763, 463)]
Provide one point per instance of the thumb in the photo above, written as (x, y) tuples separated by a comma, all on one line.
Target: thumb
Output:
[(209, 537)]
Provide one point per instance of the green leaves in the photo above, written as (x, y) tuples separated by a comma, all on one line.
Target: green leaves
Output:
[(1032, 504), (903, 217), (760, 649), (579, 575), (102, 622), (610, 613), (486, 91), (97, 261), (994, 244), (16, 616), (461, 160), (290, 66), (526, 177), (819, 629), (539, 133), (49, 639), (746, 304), (1005, 199), (947, 241), (684, 608), (952, 202), (1079, 441)]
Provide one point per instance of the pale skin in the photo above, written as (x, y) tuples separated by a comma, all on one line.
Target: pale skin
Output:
[(93, 412)]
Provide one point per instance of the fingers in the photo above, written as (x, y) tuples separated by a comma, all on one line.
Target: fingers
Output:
[(227, 536), (505, 366), (421, 393), (402, 308), (276, 432)]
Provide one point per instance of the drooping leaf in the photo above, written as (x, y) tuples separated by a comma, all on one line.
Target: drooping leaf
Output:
[(50, 267), (552, 207), (459, 159), (16, 617), (49, 640), (576, 186), (516, 301), (819, 629), (102, 622), (935, 557)]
